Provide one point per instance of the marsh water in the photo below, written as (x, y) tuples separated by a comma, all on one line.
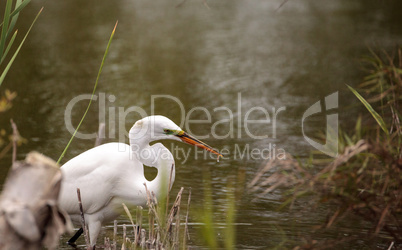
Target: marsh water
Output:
[(225, 63)]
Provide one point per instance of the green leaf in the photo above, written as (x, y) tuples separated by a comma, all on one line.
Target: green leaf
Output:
[(3, 75), (13, 19), (10, 43), (18, 9), (4, 29), (376, 116)]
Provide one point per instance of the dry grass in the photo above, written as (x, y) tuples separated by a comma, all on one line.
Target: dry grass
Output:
[(164, 229)]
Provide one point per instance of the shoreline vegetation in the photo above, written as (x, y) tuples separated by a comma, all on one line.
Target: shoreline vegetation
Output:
[(364, 181)]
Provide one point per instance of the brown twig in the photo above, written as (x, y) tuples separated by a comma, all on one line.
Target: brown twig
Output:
[(143, 235), (107, 243), (123, 247), (186, 233), (114, 234), (131, 219), (168, 190), (84, 226), (173, 212), (176, 235), (151, 227), (153, 215), (139, 225), (15, 140)]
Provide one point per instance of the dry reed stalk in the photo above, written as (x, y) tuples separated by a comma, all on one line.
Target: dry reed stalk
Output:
[(168, 190), (123, 247), (84, 226), (114, 234), (143, 238), (130, 244), (131, 219), (186, 233), (151, 228), (137, 234), (151, 201), (176, 234), (16, 136), (107, 243), (173, 211), (160, 238)]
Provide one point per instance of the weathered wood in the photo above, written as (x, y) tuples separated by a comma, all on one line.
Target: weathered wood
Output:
[(29, 215)]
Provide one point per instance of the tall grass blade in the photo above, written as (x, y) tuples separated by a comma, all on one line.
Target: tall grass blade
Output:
[(4, 29), (10, 43), (7, 68), (13, 19), (92, 96), (17, 9), (128, 214), (376, 116)]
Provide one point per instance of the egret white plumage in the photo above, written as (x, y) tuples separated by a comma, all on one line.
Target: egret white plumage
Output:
[(113, 173)]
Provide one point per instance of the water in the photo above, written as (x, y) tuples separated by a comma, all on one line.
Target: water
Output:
[(233, 55)]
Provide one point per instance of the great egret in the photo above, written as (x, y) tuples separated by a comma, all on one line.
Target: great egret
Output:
[(113, 173)]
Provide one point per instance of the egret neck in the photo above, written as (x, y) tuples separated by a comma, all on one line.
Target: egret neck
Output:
[(156, 156)]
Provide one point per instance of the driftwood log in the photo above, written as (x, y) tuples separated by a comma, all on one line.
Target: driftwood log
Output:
[(29, 215)]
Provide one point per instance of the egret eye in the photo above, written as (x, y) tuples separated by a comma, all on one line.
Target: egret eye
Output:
[(168, 131)]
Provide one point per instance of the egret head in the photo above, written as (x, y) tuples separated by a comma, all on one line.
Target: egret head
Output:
[(153, 128)]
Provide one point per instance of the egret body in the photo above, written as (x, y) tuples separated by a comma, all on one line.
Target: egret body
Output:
[(113, 173)]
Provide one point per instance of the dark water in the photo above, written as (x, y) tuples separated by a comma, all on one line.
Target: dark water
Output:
[(232, 60)]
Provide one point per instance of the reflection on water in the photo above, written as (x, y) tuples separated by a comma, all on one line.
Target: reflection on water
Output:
[(205, 57)]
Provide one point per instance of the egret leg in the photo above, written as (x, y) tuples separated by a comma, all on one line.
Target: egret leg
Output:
[(75, 237)]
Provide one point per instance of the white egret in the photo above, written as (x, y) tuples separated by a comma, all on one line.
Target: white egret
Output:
[(113, 173)]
